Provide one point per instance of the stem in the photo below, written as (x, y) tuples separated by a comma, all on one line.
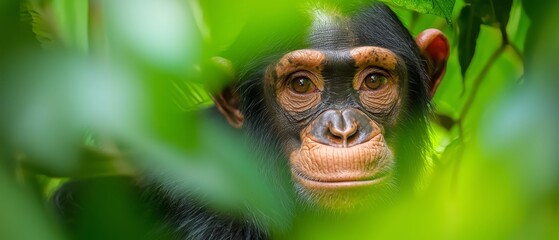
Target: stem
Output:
[(458, 160), (98, 42), (516, 51), (479, 79)]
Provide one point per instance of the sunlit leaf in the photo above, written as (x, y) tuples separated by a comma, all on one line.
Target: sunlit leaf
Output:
[(71, 19), (191, 96), (39, 14), (441, 8)]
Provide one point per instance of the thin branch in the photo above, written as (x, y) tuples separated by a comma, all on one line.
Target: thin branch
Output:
[(479, 79), (516, 50), (458, 160)]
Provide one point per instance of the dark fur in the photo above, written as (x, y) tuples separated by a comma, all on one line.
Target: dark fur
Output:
[(175, 217)]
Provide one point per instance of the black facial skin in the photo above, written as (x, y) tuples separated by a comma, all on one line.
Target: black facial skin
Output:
[(334, 34)]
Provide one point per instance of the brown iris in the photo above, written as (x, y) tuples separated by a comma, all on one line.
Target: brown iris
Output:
[(374, 81), (302, 85)]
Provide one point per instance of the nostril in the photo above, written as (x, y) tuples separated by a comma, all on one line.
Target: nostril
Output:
[(334, 134), (334, 139)]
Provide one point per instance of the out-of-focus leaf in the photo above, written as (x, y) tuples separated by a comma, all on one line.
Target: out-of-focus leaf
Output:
[(541, 51), (511, 135), (537, 9), (442, 8), (39, 14), (452, 153), (20, 212), (225, 20), (468, 27), (47, 102), (16, 34), (221, 172), (71, 19), (161, 34), (517, 26)]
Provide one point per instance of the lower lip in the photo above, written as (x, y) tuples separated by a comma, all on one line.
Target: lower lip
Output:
[(341, 184)]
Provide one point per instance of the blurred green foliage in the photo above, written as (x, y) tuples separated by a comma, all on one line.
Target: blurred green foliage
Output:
[(97, 87)]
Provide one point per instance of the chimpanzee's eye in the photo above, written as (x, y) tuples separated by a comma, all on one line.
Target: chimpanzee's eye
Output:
[(302, 85), (374, 81)]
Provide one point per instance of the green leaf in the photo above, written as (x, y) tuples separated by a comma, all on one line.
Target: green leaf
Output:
[(71, 19), (56, 22), (536, 9), (493, 13), (468, 27), (20, 210), (441, 8), (502, 13), (190, 96), (42, 25)]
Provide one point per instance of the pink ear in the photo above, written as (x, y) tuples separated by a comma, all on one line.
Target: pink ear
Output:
[(227, 102), (434, 47), (228, 99)]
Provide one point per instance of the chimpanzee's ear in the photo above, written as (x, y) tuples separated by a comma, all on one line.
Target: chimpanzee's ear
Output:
[(227, 100), (434, 47)]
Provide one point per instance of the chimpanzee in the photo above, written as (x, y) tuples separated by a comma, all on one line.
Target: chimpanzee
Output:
[(345, 105)]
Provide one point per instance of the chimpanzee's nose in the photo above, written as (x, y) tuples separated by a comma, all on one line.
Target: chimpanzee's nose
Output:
[(342, 128)]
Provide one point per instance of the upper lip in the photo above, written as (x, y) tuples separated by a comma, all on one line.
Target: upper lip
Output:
[(367, 139)]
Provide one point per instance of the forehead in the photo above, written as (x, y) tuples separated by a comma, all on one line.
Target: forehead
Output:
[(355, 57), (331, 31)]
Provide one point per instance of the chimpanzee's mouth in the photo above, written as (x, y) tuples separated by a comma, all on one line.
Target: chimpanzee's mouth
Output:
[(321, 167)]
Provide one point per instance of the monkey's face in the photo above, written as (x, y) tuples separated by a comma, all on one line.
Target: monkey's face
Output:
[(335, 107)]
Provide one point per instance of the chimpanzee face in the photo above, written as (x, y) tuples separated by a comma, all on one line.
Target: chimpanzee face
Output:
[(336, 104)]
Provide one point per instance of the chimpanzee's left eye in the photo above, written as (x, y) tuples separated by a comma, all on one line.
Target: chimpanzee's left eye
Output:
[(374, 81)]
